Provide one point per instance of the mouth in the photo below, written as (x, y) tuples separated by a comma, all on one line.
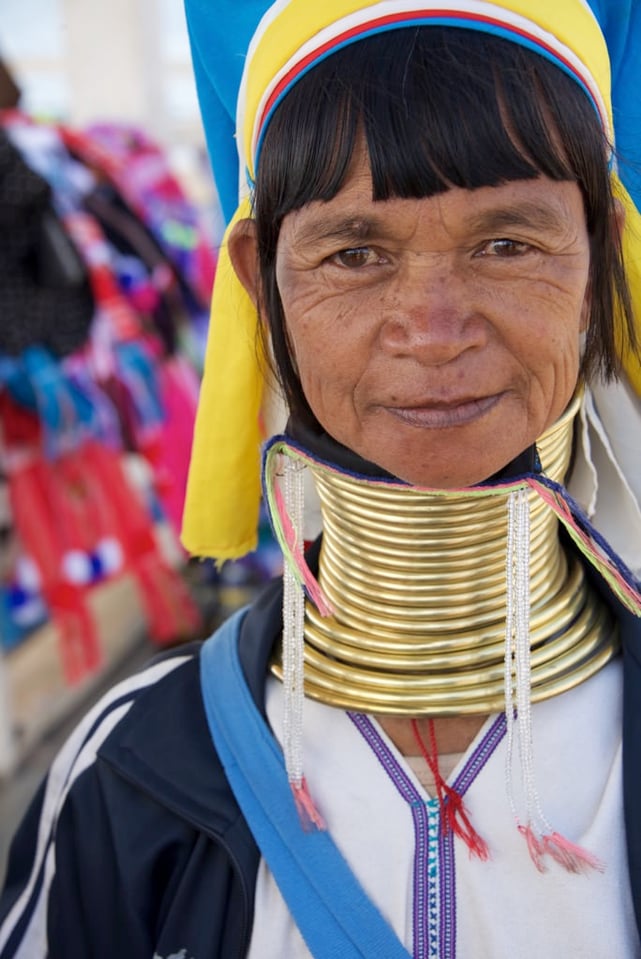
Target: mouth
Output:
[(442, 415)]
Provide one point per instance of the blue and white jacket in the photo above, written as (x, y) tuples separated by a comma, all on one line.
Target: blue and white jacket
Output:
[(134, 846)]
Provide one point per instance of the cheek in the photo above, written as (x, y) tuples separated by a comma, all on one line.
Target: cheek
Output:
[(312, 354), (331, 360), (549, 327), (306, 342), (322, 363), (551, 355), (325, 336)]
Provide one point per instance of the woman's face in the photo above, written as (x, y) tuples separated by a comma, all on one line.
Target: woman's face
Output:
[(437, 337)]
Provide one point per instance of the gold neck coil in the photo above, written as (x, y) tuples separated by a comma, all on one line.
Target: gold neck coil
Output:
[(417, 584)]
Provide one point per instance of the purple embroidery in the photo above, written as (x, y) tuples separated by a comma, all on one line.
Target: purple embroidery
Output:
[(480, 756), (406, 788), (447, 889), (434, 918)]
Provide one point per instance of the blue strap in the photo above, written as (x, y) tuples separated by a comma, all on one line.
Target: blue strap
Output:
[(332, 911)]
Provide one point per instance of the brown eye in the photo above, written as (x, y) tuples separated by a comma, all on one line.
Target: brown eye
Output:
[(355, 257), (504, 247)]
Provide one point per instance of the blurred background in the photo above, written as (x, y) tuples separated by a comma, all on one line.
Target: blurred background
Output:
[(109, 225), (77, 60)]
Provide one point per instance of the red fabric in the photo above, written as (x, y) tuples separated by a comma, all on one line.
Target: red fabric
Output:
[(171, 612), (453, 813), (72, 504), (49, 526)]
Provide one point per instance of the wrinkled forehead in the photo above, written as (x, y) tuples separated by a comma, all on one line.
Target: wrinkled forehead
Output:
[(295, 36)]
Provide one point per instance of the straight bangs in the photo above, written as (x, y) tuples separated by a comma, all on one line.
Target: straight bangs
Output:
[(437, 108)]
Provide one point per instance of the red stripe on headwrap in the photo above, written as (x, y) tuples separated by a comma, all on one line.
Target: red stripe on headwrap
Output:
[(390, 21)]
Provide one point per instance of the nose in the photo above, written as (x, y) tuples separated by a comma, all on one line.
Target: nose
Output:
[(433, 314)]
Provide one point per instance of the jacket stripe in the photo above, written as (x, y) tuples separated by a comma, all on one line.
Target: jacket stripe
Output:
[(75, 757)]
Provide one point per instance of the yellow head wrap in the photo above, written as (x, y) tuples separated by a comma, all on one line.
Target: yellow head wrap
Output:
[(223, 495)]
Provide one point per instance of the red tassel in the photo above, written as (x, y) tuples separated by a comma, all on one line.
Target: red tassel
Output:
[(454, 815), (457, 819), (571, 857), (308, 814), (49, 526), (78, 635), (535, 847)]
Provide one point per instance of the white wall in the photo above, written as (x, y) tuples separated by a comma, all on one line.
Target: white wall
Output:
[(84, 60)]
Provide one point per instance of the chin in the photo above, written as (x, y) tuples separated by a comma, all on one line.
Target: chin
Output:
[(466, 471), (447, 481)]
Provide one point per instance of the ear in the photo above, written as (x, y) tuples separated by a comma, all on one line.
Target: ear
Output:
[(243, 253)]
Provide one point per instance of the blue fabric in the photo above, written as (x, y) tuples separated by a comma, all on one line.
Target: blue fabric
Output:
[(620, 21), (332, 911), (37, 381), (221, 30)]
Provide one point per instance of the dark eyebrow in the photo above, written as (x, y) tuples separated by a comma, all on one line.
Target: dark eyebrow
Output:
[(344, 229), (541, 216), (353, 230)]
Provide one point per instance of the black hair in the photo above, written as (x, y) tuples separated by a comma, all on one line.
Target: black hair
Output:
[(439, 108)]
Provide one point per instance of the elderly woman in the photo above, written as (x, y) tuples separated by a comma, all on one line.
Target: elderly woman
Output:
[(413, 744)]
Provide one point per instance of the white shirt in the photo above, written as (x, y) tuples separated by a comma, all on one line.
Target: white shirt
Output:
[(442, 903)]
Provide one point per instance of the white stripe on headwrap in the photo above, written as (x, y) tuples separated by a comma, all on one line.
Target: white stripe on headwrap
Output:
[(513, 22)]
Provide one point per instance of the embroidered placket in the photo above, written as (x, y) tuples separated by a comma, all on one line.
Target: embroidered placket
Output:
[(434, 906)]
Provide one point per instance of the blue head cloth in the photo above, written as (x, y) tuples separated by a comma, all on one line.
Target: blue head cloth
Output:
[(220, 32), (620, 22)]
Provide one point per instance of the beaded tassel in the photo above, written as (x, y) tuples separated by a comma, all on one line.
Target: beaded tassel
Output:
[(289, 537), (541, 838), (293, 653)]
